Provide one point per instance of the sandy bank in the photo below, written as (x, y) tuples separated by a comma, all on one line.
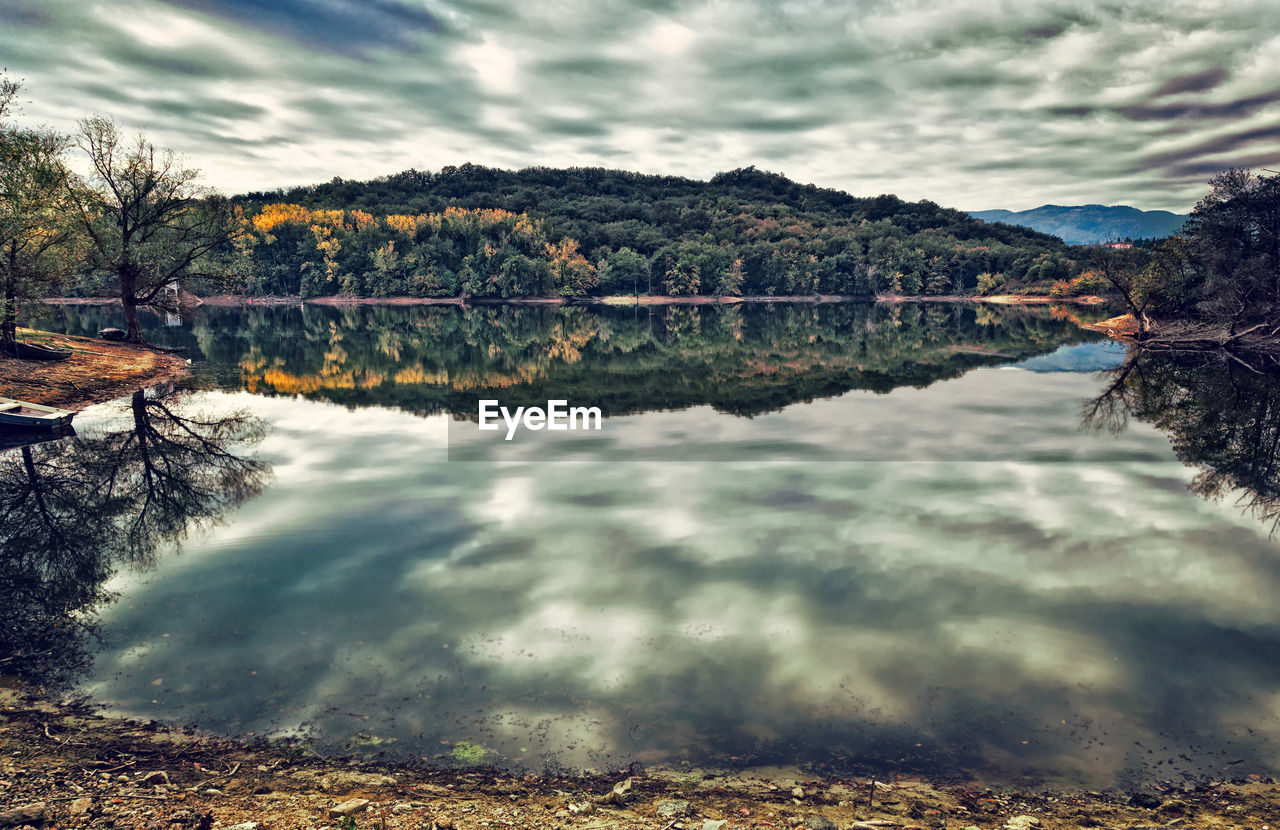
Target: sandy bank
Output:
[(97, 371)]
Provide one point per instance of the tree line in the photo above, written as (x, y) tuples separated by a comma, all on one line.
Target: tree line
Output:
[(593, 231), (139, 220)]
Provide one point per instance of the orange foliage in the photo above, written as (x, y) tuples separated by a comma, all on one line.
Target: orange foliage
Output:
[(275, 215), (404, 223)]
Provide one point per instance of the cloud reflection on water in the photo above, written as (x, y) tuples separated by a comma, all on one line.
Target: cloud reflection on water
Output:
[(979, 611)]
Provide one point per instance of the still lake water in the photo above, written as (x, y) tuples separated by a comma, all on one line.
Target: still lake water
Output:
[(917, 539)]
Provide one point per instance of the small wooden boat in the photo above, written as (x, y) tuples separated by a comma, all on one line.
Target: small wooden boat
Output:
[(32, 351), (32, 415), (15, 438)]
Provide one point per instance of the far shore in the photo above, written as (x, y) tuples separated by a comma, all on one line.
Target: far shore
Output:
[(240, 300)]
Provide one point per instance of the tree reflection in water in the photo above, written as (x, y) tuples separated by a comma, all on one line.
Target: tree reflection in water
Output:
[(74, 512), (1221, 412)]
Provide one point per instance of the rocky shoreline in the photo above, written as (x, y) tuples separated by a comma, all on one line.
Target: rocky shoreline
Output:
[(63, 766)]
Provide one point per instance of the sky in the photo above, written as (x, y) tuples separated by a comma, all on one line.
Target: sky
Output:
[(975, 104)]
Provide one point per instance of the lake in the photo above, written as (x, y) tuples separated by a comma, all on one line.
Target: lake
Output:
[(918, 539)]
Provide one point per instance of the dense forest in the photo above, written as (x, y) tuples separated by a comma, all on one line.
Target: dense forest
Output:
[(484, 232)]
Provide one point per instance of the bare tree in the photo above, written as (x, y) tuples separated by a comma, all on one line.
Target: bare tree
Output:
[(1128, 283), (148, 221)]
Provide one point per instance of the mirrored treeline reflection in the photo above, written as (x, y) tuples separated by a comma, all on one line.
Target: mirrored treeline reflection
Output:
[(977, 613), (75, 511), (742, 359)]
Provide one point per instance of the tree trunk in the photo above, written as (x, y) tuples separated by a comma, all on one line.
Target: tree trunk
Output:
[(129, 299), (9, 323), (132, 327), (9, 314)]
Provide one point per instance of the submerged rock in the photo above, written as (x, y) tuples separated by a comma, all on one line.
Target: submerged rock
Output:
[(621, 792), (349, 808), (343, 781), (671, 808), (819, 823), (1146, 801)]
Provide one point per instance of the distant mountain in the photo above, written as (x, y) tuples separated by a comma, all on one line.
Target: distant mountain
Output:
[(1089, 224)]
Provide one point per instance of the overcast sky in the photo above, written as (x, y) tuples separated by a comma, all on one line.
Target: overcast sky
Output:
[(971, 103)]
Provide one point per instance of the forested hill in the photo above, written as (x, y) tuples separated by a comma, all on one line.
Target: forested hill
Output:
[(538, 231), (1091, 224)]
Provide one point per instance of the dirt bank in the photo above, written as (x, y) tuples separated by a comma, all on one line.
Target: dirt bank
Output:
[(1121, 327), (68, 768), (994, 299), (82, 301), (622, 300), (1186, 336), (97, 371), (237, 300)]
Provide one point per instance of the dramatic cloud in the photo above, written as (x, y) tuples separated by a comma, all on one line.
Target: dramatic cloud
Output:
[(970, 103)]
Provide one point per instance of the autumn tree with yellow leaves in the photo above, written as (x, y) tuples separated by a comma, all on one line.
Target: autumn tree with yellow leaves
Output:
[(572, 274), (480, 252)]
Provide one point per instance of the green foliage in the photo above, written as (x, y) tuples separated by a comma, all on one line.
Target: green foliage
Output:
[(39, 240), (989, 283), (938, 280), (746, 231), (730, 282), (468, 753), (623, 272)]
